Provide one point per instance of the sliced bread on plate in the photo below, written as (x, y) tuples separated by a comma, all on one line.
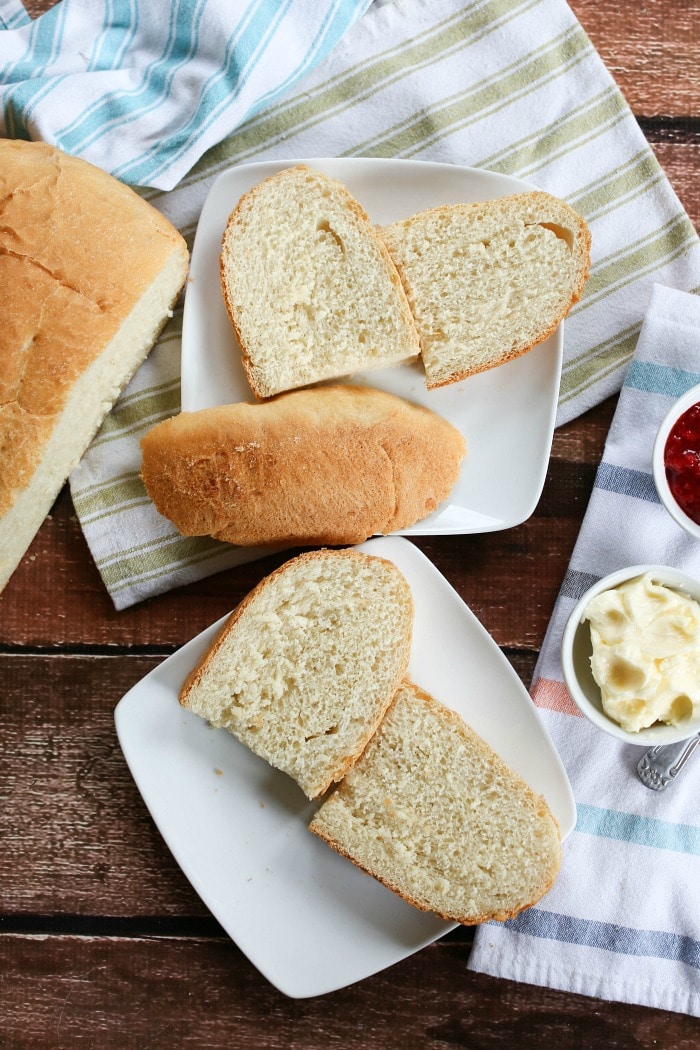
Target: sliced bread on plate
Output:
[(433, 813), (487, 282), (309, 286), (305, 667)]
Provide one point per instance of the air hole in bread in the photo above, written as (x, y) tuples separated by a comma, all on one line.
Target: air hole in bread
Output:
[(559, 231), (325, 227)]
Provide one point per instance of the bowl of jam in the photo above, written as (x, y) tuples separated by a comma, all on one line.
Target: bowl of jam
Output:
[(676, 462)]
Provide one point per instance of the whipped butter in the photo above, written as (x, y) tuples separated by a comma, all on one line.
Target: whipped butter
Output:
[(646, 653)]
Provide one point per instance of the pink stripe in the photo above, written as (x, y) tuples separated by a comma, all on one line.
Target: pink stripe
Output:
[(554, 696)]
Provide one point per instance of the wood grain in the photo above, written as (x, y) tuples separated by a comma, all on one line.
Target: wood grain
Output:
[(103, 942), (150, 993)]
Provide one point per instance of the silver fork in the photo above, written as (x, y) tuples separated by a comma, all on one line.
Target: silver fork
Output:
[(660, 765)]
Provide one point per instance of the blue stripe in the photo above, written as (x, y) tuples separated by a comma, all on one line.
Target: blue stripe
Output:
[(47, 46), (39, 46), (337, 21), (15, 21), (121, 20), (626, 482), (660, 379), (577, 583), (155, 81), (642, 831), (243, 52), (655, 944)]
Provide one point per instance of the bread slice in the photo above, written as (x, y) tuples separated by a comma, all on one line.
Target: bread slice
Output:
[(89, 273), (306, 666), (330, 465), (488, 281), (309, 286), (434, 814)]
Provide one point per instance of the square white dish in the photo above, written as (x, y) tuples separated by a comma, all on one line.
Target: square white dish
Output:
[(309, 920), (506, 414)]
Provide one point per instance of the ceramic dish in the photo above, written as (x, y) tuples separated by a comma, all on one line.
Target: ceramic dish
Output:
[(690, 398), (576, 650), (506, 414), (309, 920)]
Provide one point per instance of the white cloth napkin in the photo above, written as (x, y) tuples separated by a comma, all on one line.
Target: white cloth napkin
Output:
[(622, 921), (514, 86), (144, 89)]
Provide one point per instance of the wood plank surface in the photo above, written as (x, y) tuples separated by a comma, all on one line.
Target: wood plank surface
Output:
[(103, 942)]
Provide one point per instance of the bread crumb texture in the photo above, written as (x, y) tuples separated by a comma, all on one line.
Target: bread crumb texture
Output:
[(433, 813), (306, 666), (310, 288), (488, 281)]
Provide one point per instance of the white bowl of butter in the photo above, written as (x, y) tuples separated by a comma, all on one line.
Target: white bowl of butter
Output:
[(631, 654)]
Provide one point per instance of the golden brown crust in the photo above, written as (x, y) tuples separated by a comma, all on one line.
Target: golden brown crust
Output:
[(77, 251), (330, 465)]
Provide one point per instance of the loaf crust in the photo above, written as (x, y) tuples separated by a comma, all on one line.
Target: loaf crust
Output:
[(89, 273), (330, 465)]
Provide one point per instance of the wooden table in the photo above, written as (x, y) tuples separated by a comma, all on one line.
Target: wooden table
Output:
[(103, 943)]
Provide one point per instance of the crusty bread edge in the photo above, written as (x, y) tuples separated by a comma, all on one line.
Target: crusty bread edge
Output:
[(468, 920), (412, 351), (195, 676), (74, 428), (580, 249)]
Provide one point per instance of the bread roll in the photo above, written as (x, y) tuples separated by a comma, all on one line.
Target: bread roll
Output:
[(307, 664), (434, 814), (330, 465), (487, 282), (89, 273), (309, 286)]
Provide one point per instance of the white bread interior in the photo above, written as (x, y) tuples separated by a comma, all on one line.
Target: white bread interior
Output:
[(306, 666), (90, 273), (309, 286), (434, 814), (487, 282)]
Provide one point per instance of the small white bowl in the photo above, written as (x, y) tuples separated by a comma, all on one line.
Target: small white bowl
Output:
[(576, 650), (690, 398)]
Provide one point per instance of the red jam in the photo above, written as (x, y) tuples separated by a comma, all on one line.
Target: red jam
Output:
[(682, 462)]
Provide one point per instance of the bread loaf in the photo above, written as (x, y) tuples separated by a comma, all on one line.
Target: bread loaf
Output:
[(309, 286), (89, 273), (330, 465), (434, 814), (487, 282), (307, 664)]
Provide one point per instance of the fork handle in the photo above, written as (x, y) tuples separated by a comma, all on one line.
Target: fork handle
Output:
[(660, 765)]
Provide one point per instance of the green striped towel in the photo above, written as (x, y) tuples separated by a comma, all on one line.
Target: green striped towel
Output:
[(514, 86)]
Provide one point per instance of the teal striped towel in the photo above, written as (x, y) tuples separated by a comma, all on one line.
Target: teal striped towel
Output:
[(514, 86), (622, 921), (142, 90)]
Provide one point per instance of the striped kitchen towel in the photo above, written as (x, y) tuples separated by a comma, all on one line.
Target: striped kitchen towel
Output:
[(514, 86), (142, 89), (622, 921)]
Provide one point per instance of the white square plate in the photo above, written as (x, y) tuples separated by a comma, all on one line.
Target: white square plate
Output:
[(506, 414), (309, 920)]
